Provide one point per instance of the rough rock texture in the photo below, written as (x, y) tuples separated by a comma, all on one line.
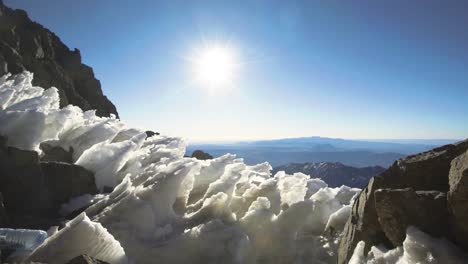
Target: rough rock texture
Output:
[(22, 186), (458, 198), (201, 155), (67, 180), (26, 45), (85, 259), (397, 209), (55, 153), (425, 171), (33, 191)]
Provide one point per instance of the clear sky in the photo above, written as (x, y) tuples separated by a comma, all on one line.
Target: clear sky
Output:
[(350, 69)]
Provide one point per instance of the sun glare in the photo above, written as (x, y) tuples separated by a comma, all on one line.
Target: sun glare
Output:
[(215, 66)]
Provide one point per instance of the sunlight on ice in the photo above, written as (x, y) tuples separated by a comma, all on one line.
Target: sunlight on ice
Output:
[(176, 209)]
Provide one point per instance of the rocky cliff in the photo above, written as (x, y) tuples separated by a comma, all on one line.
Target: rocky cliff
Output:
[(26, 45), (428, 190)]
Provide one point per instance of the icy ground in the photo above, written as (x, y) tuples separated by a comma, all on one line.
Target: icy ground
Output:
[(169, 209)]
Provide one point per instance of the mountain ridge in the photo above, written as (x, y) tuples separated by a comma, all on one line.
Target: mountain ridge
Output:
[(335, 174)]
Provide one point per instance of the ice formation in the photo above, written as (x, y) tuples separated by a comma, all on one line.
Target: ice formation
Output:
[(167, 207), (80, 236), (418, 247)]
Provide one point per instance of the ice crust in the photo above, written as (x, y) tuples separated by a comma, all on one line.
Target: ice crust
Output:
[(167, 207)]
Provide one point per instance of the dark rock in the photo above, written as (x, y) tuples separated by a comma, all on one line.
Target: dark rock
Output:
[(26, 45), (458, 198), (150, 133), (33, 191), (425, 171), (397, 209), (22, 183), (363, 223), (65, 181), (201, 155), (3, 213), (5, 253), (85, 259), (107, 189), (334, 174), (53, 153)]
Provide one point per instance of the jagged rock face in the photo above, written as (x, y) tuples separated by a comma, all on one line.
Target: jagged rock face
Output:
[(458, 198), (33, 191), (427, 171), (399, 208), (26, 45)]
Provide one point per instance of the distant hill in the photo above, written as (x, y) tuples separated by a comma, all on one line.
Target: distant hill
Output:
[(357, 153), (334, 173)]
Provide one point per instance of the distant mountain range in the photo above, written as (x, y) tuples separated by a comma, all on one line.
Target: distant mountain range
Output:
[(333, 173), (358, 153)]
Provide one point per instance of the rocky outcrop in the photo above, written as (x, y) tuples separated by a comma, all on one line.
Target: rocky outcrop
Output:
[(26, 45), (399, 208), (55, 153), (458, 198), (375, 218), (334, 174), (65, 181), (201, 155), (33, 191)]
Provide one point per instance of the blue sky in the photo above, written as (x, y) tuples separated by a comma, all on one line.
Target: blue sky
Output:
[(350, 69)]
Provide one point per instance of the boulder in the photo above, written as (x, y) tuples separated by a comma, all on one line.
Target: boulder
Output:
[(65, 181), (22, 182), (33, 191), (85, 259), (425, 171), (397, 209), (363, 224), (201, 155), (458, 198)]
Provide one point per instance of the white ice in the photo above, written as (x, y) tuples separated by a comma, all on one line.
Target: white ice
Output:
[(167, 207), (80, 236)]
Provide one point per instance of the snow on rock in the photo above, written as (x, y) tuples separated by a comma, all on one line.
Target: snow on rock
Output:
[(418, 247), (167, 207), (80, 236)]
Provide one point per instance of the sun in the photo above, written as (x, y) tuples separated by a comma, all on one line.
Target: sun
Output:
[(215, 66)]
